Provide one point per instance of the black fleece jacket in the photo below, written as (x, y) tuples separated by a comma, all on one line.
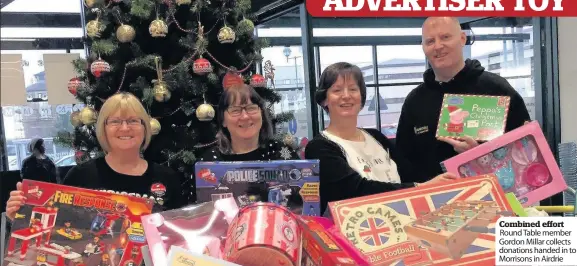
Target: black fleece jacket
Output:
[(338, 181), (420, 114)]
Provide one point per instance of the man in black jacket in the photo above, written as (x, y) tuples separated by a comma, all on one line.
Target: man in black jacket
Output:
[(38, 166), (443, 42)]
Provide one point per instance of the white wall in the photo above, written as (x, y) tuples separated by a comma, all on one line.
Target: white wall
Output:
[(567, 41)]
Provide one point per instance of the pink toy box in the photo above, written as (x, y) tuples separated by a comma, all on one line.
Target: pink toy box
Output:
[(522, 161)]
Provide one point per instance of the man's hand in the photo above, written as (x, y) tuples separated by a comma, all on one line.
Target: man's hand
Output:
[(461, 146)]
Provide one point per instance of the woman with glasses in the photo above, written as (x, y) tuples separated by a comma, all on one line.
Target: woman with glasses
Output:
[(123, 132), (245, 130)]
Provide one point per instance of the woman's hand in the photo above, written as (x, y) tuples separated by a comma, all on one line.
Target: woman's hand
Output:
[(15, 201), (442, 178)]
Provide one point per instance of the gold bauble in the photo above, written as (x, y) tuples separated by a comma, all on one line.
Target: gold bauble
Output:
[(158, 28), (94, 28), (183, 2), (154, 126), (88, 116), (91, 3), (205, 112), (125, 33), (289, 140), (75, 119), (226, 35), (161, 92)]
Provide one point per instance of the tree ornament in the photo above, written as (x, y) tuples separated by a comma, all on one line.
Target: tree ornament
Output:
[(74, 84), (160, 91), (183, 2), (75, 119), (247, 26), (201, 66), (231, 80), (88, 116), (98, 67), (205, 112), (289, 140), (125, 33), (91, 3), (94, 28), (154, 126), (158, 28), (226, 35), (258, 81)]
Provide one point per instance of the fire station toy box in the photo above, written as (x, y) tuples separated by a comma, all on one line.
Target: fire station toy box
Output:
[(293, 183), (522, 161), (68, 226), (325, 246), (477, 116), (450, 223)]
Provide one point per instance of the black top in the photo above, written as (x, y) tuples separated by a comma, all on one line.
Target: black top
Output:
[(96, 174), (271, 151), (420, 114), (338, 181), (39, 169)]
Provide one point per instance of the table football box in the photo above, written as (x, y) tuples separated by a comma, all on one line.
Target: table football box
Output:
[(522, 161), (62, 225), (291, 183), (324, 245), (451, 223)]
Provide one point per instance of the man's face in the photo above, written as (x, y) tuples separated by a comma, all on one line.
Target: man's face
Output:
[(443, 43)]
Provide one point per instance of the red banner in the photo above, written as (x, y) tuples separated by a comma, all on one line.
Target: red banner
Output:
[(454, 8)]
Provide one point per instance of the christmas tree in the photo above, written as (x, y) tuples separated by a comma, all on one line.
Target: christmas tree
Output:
[(177, 56)]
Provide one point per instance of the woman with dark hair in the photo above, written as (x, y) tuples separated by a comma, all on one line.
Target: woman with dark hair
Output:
[(245, 130), (354, 162)]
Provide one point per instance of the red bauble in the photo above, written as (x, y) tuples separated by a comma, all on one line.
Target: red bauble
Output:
[(231, 80), (201, 66), (78, 154), (74, 84), (98, 67), (258, 81)]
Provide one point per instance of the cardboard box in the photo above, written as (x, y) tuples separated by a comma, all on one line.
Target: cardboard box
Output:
[(293, 184), (521, 160), (322, 247), (451, 223), (75, 226)]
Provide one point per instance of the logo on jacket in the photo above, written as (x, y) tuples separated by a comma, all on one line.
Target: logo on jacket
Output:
[(421, 130), (158, 189)]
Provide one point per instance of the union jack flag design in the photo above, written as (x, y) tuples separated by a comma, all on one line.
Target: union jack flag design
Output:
[(411, 204)]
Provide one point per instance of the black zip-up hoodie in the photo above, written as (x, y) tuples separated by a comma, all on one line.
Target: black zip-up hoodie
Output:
[(420, 114)]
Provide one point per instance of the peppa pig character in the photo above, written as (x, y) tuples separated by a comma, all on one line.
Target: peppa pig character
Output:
[(456, 120)]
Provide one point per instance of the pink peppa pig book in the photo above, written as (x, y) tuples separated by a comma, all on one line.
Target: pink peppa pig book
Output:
[(521, 160), (480, 117)]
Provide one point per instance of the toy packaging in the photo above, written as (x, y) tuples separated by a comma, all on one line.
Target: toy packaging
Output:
[(293, 183), (480, 117), (267, 229), (178, 256), (61, 225), (522, 161), (451, 223), (198, 229), (324, 245)]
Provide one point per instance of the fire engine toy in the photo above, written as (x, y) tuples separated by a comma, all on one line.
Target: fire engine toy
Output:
[(106, 229)]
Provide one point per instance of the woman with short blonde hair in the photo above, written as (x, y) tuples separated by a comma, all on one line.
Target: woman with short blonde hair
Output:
[(123, 131)]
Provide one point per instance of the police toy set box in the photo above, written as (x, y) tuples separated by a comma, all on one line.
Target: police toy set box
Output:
[(61, 225), (293, 183)]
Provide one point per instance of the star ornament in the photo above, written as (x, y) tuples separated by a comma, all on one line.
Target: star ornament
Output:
[(285, 153)]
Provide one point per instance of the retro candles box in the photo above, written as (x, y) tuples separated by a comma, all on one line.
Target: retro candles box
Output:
[(522, 161), (477, 116), (293, 183), (61, 225), (449, 223)]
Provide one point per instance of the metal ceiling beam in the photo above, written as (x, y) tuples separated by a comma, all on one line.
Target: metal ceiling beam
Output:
[(53, 20), (384, 40), (276, 10)]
